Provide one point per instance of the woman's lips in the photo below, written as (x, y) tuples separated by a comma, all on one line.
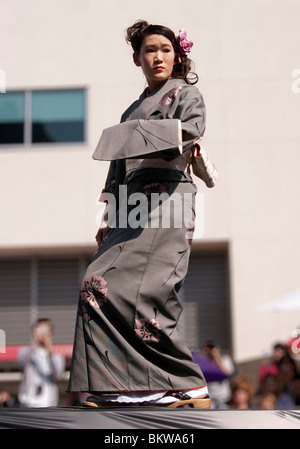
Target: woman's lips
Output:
[(158, 69)]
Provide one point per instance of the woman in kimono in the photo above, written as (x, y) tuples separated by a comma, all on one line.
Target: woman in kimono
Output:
[(127, 350)]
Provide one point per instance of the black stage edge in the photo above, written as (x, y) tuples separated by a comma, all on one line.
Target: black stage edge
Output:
[(139, 418)]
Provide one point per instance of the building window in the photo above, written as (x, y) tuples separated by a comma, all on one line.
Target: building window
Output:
[(58, 116), (12, 117), (42, 116)]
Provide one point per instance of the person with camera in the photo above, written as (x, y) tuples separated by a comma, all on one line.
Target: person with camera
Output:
[(41, 368)]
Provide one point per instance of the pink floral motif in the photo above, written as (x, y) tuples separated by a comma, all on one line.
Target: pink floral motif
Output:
[(147, 331), (93, 291), (184, 42), (169, 97)]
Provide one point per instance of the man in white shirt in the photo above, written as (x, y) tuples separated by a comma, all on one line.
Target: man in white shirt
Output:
[(41, 367)]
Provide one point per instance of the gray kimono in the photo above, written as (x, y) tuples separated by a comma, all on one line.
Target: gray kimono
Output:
[(126, 337)]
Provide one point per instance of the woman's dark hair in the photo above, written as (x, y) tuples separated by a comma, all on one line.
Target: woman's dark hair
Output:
[(183, 65)]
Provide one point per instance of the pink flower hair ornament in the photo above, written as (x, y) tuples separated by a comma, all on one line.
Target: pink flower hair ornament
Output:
[(184, 43)]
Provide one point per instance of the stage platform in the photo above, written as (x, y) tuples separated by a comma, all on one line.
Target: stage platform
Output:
[(130, 418)]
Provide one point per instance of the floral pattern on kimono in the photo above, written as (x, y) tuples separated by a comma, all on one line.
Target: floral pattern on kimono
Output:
[(93, 291), (147, 330)]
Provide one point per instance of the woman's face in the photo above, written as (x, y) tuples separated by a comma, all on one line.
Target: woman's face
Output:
[(156, 57)]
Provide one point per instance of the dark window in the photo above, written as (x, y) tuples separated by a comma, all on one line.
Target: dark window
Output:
[(42, 116), (12, 116), (58, 116)]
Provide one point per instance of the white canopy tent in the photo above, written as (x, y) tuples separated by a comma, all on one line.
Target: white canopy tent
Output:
[(285, 303)]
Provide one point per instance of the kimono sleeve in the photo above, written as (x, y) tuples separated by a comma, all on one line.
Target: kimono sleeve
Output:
[(173, 125), (140, 138), (190, 110)]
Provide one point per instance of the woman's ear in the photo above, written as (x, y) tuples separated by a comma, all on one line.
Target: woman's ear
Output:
[(136, 59), (177, 59)]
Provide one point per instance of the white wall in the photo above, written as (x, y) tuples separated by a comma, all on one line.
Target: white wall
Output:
[(244, 53)]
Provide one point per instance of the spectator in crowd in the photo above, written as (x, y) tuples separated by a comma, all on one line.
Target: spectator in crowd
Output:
[(270, 366), (295, 390), (242, 393), (272, 385), (287, 374), (287, 370), (41, 368), (6, 399), (266, 401), (278, 376), (217, 369)]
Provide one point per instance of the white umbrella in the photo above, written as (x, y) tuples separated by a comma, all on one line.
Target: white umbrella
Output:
[(285, 303)]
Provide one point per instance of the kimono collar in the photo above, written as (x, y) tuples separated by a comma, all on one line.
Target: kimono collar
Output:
[(147, 100), (164, 88)]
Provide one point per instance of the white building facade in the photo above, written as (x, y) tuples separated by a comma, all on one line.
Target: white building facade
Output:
[(66, 74)]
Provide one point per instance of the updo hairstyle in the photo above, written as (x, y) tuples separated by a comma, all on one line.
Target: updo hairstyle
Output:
[(183, 65)]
